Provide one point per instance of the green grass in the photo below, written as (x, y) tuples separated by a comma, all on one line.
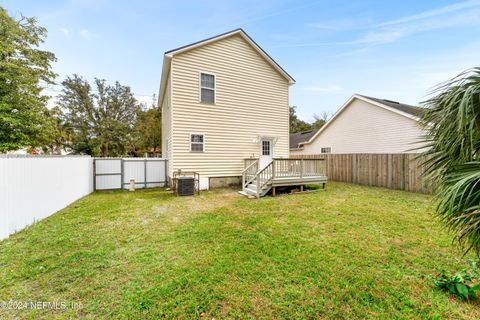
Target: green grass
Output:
[(349, 252)]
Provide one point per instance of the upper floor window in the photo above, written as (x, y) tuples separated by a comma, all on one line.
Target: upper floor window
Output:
[(196, 142), (207, 88)]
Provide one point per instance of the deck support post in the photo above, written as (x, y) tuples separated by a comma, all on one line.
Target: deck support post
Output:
[(273, 191), (301, 168), (301, 188), (273, 169)]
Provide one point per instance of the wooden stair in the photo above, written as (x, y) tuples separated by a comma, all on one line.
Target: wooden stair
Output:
[(251, 190), (256, 183)]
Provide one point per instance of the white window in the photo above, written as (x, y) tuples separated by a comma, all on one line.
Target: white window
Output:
[(196, 142), (266, 147), (326, 150), (207, 88)]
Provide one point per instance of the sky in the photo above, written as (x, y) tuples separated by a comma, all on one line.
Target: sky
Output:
[(398, 50)]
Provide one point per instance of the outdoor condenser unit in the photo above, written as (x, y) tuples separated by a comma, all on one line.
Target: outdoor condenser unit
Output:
[(186, 186)]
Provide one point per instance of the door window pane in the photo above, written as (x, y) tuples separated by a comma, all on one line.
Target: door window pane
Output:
[(266, 148)]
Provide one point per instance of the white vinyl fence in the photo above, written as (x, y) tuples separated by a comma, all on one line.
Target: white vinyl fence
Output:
[(115, 173), (34, 187)]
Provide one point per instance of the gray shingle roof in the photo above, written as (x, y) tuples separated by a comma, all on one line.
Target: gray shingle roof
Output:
[(297, 138), (413, 110)]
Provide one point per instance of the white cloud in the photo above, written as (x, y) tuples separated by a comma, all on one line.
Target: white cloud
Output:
[(65, 32), (458, 15), (341, 24), (325, 89), (435, 12), (461, 14), (332, 25), (84, 33), (352, 53)]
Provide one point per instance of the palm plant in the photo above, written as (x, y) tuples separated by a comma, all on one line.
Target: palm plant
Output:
[(452, 123)]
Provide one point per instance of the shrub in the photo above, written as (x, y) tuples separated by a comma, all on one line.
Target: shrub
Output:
[(461, 283)]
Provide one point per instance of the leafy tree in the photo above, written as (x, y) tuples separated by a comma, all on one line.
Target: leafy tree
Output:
[(100, 123), (297, 125), (452, 122), (57, 136), (23, 68), (148, 131), (320, 120)]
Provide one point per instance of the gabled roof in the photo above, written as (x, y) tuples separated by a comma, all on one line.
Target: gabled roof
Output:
[(413, 110), (300, 137), (406, 110), (239, 31)]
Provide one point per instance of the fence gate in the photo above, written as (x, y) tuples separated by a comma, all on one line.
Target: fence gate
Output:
[(115, 173)]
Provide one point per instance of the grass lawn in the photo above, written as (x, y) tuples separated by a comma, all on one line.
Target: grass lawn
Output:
[(349, 252)]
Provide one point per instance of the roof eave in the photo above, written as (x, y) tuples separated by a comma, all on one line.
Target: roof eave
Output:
[(245, 36), (400, 112), (164, 78)]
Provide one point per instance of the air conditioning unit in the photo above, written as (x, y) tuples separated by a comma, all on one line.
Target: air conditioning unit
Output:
[(186, 186)]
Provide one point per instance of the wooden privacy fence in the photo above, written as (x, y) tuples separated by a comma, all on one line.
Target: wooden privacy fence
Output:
[(403, 171)]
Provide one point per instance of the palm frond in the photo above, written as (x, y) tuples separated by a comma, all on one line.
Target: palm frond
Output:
[(452, 144)]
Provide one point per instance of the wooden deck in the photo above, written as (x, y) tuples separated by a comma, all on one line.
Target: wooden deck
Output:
[(281, 172)]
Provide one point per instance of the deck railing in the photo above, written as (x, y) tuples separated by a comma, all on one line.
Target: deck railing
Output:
[(249, 161), (281, 168), (250, 171), (263, 177), (289, 168)]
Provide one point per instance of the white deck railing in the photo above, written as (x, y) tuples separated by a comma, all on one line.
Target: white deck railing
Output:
[(281, 168)]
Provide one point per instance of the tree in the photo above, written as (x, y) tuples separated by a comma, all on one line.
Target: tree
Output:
[(23, 67), (100, 123), (297, 125), (320, 120), (57, 136), (452, 123), (148, 131)]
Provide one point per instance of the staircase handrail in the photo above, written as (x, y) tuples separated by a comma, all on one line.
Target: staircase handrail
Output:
[(246, 180), (263, 177)]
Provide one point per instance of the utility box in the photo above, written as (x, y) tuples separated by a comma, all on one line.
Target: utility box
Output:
[(185, 186)]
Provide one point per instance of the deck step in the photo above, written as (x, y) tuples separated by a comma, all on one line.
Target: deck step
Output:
[(247, 194)]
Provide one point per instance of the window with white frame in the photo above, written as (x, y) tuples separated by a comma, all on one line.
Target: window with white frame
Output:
[(196, 142), (266, 147), (326, 150), (207, 88)]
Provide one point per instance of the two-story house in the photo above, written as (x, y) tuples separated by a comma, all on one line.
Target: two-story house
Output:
[(223, 99)]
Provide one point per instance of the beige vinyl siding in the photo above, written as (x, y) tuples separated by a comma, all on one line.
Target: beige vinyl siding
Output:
[(251, 100), (366, 128), (167, 123)]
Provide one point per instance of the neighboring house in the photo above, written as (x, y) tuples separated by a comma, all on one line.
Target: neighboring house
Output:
[(223, 99), (364, 125), (298, 138)]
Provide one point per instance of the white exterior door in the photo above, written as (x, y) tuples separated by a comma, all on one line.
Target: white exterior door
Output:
[(266, 152)]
